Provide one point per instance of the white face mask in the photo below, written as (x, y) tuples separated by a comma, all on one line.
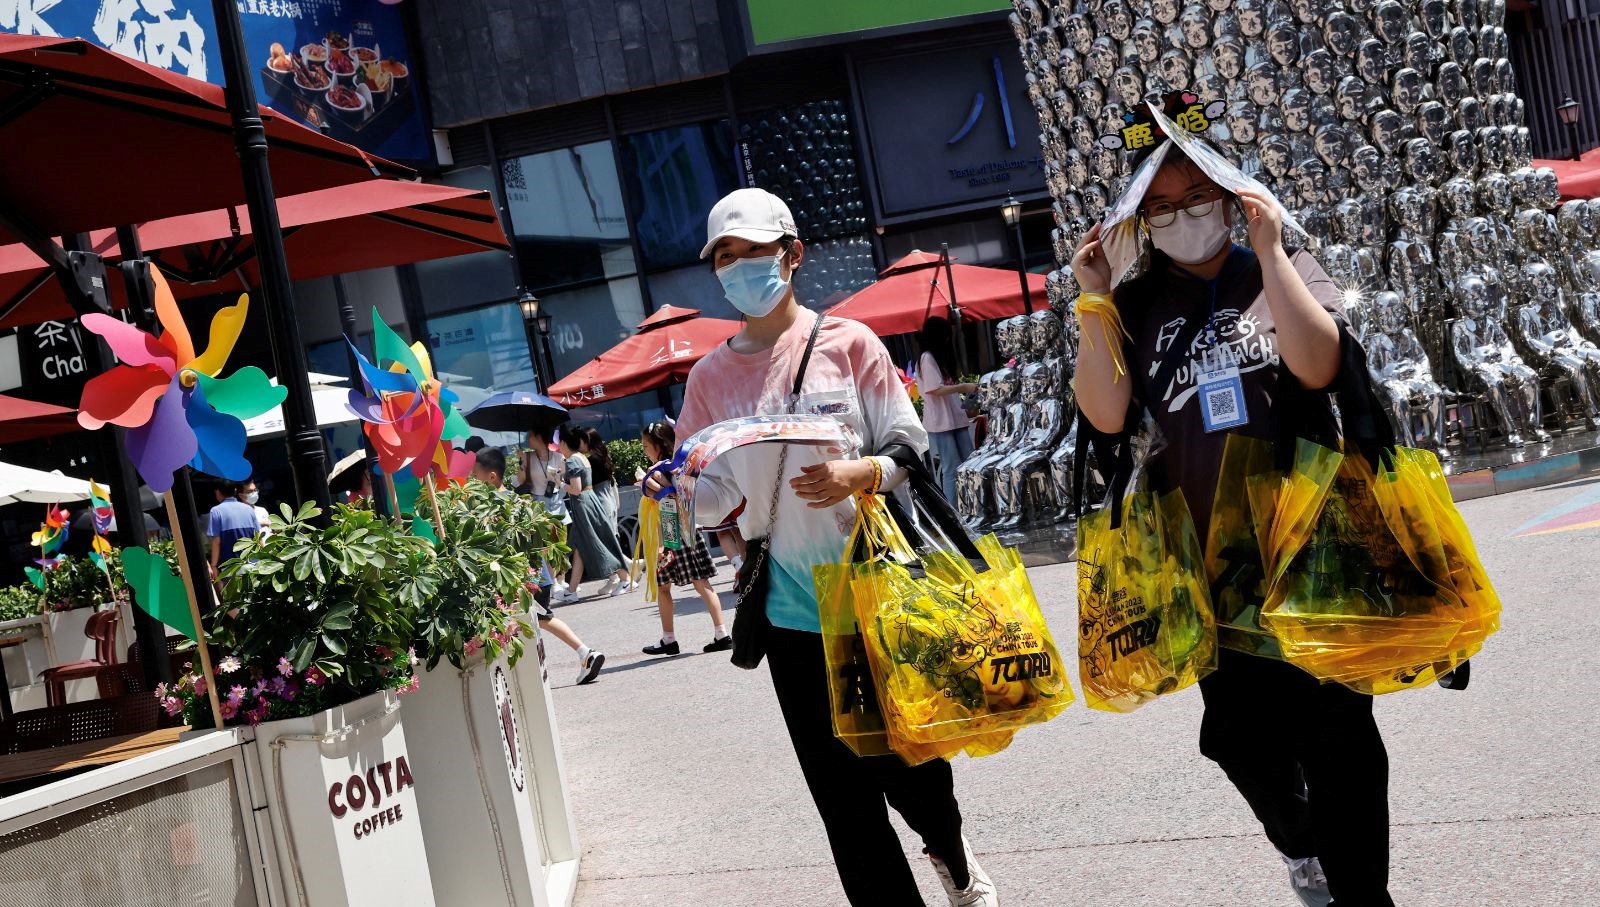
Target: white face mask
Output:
[(252, 497), (1192, 240)]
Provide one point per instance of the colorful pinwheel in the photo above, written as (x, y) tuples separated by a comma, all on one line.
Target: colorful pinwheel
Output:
[(409, 416), (177, 410), (51, 536), (100, 514)]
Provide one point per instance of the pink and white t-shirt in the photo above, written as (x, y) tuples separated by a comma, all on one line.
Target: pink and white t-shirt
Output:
[(941, 412), (851, 378)]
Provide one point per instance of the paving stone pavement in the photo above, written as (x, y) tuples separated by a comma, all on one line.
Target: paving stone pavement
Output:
[(687, 792)]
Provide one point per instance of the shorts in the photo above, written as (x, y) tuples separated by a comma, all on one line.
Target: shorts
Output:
[(686, 565)]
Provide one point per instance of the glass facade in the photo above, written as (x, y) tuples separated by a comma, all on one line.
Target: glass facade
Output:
[(673, 178)]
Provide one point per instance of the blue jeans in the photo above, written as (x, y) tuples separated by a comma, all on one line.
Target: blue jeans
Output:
[(949, 449)]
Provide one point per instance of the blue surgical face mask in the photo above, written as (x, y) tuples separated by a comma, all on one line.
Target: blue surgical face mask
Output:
[(754, 286)]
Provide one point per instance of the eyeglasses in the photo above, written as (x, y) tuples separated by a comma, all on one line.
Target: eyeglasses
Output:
[(1195, 204)]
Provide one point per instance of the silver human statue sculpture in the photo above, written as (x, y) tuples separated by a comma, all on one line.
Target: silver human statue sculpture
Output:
[(1551, 344), (1024, 489), (1484, 351), (974, 501), (1404, 377), (1583, 304)]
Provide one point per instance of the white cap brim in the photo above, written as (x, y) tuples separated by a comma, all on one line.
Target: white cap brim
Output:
[(747, 233)]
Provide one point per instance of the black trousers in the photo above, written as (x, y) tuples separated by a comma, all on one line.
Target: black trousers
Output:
[(1308, 758), (851, 792)]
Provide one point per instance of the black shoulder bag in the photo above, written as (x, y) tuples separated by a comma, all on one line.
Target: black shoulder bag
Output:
[(750, 622)]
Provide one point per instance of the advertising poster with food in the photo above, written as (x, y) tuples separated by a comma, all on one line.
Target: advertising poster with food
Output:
[(342, 66)]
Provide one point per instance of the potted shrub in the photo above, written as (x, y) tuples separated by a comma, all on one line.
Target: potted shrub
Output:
[(313, 643), (73, 591), (481, 734)]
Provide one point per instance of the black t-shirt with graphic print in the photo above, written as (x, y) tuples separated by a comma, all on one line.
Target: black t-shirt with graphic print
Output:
[(1157, 306)]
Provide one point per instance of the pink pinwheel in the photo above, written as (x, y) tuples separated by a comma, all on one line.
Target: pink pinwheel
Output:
[(409, 416), (177, 410)]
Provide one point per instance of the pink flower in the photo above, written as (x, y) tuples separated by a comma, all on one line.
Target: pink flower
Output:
[(172, 704), (411, 687), (284, 667), (385, 652), (229, 709), (290, 691), (472, 646), (275, 686), (315, 677), (254, 716), (161, 690), (259, 688), (236, 695), (199, 684)]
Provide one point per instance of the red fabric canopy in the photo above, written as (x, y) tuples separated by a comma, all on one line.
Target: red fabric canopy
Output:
[(370, 224), (668, 344), (23, 420), (914, 288), (1579, 178), (112, 141)]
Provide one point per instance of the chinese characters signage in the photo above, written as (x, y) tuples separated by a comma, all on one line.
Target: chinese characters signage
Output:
[(338, 65)]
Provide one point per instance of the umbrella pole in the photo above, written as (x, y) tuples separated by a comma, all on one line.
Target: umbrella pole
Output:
[(307, 458), (955, 310), (183, 542)]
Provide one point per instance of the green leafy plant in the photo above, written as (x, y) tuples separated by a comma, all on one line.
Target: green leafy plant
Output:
[(478, 583), (78, 582), (627, 457), (18, 602), (342, 598)]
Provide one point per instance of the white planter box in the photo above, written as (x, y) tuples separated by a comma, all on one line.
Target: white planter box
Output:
[(483, 740), (340, 791)]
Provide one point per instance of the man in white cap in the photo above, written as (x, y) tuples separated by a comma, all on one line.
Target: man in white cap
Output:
[(801, 509)]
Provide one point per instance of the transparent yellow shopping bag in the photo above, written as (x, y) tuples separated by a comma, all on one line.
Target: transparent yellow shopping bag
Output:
[(959, 656), (647, 546), (1375, 583), (1145, 625)]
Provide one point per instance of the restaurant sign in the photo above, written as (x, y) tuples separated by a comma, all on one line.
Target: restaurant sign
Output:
[(338, 65)]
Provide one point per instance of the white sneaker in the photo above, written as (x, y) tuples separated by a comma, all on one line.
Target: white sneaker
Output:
[(589, 668), (979, 891), (736, 561), (609, 589), (565, 596), (1310, 885), (622, 587)]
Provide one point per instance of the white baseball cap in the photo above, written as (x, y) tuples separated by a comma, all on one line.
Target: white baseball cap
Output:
[(753, 214)]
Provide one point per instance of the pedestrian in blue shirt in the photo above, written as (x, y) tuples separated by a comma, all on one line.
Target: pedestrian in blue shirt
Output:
[(233, 518)]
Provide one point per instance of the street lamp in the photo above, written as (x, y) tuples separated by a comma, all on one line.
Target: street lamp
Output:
[(1571, 112), (1011, 212), (529, 304)]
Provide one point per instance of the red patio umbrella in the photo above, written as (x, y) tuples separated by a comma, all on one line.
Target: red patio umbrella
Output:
[(370, 224), (23, 420), (668, 344), (94, 139), (914, 288)]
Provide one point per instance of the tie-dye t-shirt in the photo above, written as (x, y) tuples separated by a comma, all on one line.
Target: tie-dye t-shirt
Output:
[(851, 377)]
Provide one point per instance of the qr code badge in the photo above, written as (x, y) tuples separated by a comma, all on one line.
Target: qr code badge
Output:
[(1222, 404)]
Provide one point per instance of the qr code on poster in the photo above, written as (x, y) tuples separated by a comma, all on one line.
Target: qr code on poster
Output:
[(1223, 404)]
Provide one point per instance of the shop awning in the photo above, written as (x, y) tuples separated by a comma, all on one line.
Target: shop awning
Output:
[(668, 344), (915, 288), (370, 224), (94, 139), (23, 420), (1579, 178)]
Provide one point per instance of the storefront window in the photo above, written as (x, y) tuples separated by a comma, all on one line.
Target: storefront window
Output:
[(482, 351), (567, 216), (673, 178)]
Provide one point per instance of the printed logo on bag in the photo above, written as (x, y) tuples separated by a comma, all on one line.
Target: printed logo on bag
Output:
[(1018, 655), (361, 792), (510, 740)]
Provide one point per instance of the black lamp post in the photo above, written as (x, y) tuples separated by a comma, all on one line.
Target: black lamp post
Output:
[(1011, 211), (544, 321), (529, 304), (1571, 112), (307, 458)]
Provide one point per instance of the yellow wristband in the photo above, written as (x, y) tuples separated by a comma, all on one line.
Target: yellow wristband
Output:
[(1104, 305)]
